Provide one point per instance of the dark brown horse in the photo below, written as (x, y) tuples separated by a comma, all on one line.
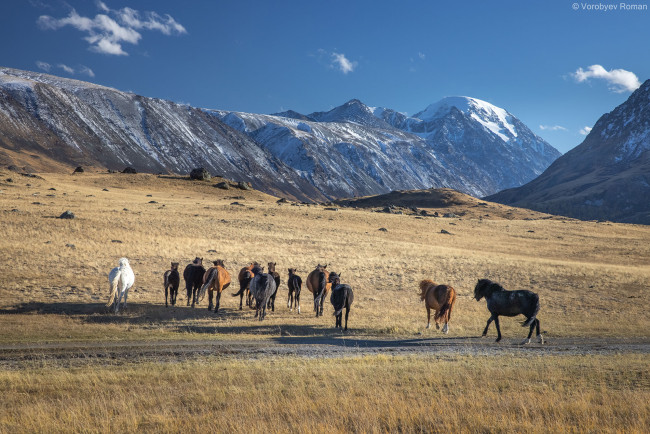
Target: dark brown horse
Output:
[(276, 277), (193, 276), (245, 276), (314, 280), (342, 298), (294, 282), (171, 280), (440, 298), (216, 279)]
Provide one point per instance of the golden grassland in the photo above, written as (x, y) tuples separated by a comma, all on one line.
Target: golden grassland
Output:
[(350, 394), (592, 278)]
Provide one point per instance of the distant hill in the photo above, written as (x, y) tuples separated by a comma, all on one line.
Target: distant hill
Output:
[(606, 177)]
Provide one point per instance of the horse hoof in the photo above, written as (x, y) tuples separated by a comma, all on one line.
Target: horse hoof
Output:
[(445, 329), (525, 342), (428, 325), (541, 339), (498, 339), (437, 326)]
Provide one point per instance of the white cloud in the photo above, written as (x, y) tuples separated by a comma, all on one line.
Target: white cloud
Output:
[(43, 65), (422, 56), (107, 31), (585, 131), (86, 71), (552, 128), (66, 68), (619, 80), (343, 63)]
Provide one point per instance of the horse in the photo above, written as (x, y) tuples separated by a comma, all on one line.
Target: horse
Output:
[(121, 279), (509, 303), (342, 297), (295, 285), (193, 275), (216, 279), (313, 284), (245, 276), (262, 286), (440, 298), (276, 277), (171, 280)]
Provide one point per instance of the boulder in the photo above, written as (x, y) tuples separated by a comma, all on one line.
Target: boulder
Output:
[(200, 174)]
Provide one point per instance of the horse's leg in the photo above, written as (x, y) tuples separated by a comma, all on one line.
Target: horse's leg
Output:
[(188, 289), (428, 316), (297, 297), (347, 312), (445, 328), (217, 302), (487, 326), (539, 334), (530, 333), (496, 323), (210, 295), (166, 288), (290, 300)]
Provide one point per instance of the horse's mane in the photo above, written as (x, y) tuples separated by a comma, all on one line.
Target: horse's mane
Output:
[(487, 286), (424, 287)]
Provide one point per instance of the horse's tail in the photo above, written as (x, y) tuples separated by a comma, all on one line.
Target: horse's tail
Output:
[(342, 301), (114, 283), (424, 286), (240, 292), (532, 318), (206, 285), (447, 306)]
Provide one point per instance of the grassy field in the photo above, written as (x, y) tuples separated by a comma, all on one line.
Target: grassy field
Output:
[(592, 278)]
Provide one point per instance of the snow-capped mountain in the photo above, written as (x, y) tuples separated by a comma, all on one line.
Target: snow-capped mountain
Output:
[(607, 176), (351, 150)]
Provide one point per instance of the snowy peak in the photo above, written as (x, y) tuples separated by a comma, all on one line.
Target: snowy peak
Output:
[(353, 111), (495, 119)]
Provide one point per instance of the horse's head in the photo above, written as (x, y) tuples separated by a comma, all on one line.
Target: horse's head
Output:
[(334, 278), (197, 261), (174, 265), (485, 287), (219, 262), (257, 269), (292, 271), (272, 267), (123, 262)]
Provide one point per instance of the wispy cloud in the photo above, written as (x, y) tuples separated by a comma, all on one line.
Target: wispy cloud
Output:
[(619, 80), (422, 56), (43, 65), (108, 31), (586, 130), (552, 128), (66, 68), (343, 64)]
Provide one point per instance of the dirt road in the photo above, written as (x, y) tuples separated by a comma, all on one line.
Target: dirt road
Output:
[(81, 353)]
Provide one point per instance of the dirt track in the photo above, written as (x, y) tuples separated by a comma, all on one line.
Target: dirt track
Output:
[(76, 353)]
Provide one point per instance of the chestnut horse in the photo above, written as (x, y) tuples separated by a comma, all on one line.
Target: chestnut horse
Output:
[(245, 276), (314, 280), (216, 279), (440, 298)]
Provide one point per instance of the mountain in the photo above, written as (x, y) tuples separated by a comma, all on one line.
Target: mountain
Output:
[(607, 176), (351, 150), (461, 142)]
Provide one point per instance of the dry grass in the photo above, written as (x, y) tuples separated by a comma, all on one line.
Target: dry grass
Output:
[(592, 277), (358, 394)]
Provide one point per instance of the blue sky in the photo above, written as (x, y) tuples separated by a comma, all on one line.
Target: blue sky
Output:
[(535, 58)]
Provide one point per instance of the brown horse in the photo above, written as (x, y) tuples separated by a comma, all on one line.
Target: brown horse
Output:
[(245, 276), (440, 298), (216, 279), (314, 280), (276, 277)]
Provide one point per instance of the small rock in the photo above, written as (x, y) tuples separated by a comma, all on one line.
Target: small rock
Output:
[(9, 180), (149, 195), (130, 170), (15, 210), (223, 185), (78, 169), (125, 209), (72, 246), (283, 200), (67, 215), (237, 204), (104, 189), (331, 209), (443, 231), (212, 251), (116, 241), (244, 185), (52, 189), (383, 229), (449, 215), (152, 201)]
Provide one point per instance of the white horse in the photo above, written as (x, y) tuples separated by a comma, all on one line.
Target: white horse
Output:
[(120, 278)]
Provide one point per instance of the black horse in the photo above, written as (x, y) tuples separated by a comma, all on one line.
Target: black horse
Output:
[(171, 280), (276, 277), (193, 276), (509, 303), (295, 285), (262, 287), (342, 297)]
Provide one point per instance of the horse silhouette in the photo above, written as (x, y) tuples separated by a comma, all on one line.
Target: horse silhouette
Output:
[(121, 279), (294, 282), (216, 279), (262, 286), (276, 277), (171, 280), (193, 275), (314, 280), (342, 297), (245, 276), (509, 303), (440, 298)]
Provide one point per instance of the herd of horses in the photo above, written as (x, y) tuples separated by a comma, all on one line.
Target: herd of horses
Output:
[(260, 290)]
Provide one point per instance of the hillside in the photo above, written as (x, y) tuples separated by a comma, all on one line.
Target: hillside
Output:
[(607, 176)]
